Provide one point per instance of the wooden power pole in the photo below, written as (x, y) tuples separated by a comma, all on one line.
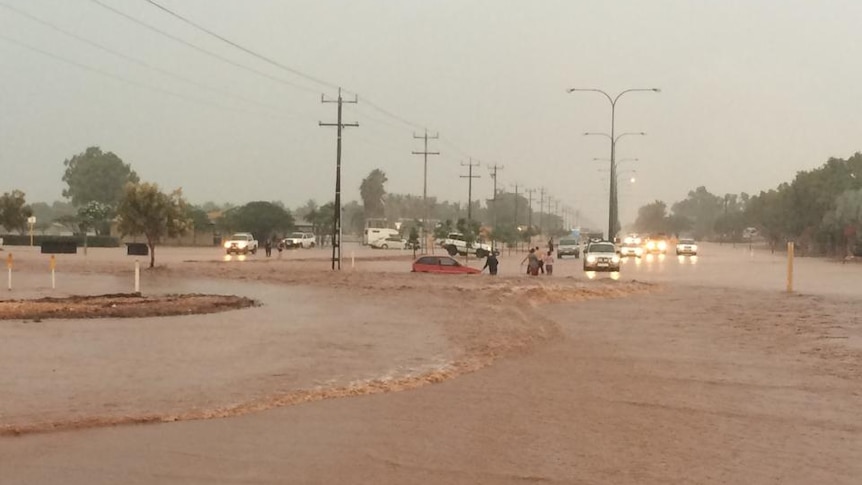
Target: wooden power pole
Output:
[(336, 226)]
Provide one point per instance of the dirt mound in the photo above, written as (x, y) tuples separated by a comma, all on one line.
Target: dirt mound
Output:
[(120, 305)]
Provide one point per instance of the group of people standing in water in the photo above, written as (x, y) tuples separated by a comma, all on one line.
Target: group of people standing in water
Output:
[(538, 261)]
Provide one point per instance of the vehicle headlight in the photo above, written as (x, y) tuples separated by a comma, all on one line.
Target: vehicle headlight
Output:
[(662, 245), (639, 251), (615, 259), (650, 245), (694, 247), (591, 259), (227, 244)]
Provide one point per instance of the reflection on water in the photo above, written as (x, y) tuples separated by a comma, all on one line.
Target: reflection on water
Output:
[(683, 258), (238, 257), (650, 258), (591, 275)]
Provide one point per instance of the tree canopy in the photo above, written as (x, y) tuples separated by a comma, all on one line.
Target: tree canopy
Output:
[(146, 210), (261, 218), (373, 192), (14, 211), (96, 176)]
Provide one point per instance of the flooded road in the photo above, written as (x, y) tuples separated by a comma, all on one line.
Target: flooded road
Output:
[(59, 372), (715, 375)]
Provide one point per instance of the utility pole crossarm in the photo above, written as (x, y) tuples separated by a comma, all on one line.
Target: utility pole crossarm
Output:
[(336, 226), (470, 178), (425, 154), (494, 169)]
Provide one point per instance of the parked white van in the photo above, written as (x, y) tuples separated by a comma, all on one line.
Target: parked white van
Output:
[(375, 233)]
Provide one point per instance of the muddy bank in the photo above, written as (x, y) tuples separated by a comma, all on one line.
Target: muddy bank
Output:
[(120, 305)]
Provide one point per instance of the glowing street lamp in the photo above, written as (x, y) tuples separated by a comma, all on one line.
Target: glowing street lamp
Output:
[(612, 210)]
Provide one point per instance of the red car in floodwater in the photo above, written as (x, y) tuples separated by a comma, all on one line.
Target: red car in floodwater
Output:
[(441, 264)]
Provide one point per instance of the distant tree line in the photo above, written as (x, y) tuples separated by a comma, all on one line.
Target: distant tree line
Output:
[(820, 210)]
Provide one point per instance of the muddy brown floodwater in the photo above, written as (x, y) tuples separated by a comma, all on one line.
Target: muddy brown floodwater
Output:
[(678, 372)]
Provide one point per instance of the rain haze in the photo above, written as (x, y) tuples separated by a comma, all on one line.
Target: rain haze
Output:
[(751, 93)]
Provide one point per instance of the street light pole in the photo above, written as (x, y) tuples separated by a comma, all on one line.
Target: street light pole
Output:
[(613, 212), (612, 209)]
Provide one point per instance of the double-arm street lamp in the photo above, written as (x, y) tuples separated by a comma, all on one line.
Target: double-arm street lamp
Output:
[(613, 203), (613, 223)]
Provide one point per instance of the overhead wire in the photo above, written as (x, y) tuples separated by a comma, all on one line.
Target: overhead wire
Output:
[(275, 63), (366, 101), (242, 48), (136, 61), (202, 50), (124, 80)]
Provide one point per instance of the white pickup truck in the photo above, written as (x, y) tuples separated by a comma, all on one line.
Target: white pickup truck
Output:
[(455, 243), (241, 243)]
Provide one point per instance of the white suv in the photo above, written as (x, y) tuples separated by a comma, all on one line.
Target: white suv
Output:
[(455, 243), (304, 240)]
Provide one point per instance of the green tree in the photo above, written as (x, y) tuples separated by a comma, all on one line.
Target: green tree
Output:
[(443, 229), (93, 215), (96, 176), (324, 219), (652, 218), (413, 239), (14, 211), (198, 217), (146, 210), (373, 193), (261, 218), (507, 233), (702, 208), (470, 230), (353, 218)]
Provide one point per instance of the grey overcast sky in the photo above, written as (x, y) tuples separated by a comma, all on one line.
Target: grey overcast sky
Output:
[(752, 92)]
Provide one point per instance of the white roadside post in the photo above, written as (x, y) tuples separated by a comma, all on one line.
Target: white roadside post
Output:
[(790, 251), (352, 260), (53, 279), (9, 268), (31, 221), (137, 276)]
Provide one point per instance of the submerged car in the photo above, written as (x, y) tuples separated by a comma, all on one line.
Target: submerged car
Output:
[(441, 264), (686, 247), (601, 256)]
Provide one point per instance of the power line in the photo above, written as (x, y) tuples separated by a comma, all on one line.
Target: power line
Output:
[(202, 50), (124, 80), (275, 63), (133, 60), (242, 48)]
